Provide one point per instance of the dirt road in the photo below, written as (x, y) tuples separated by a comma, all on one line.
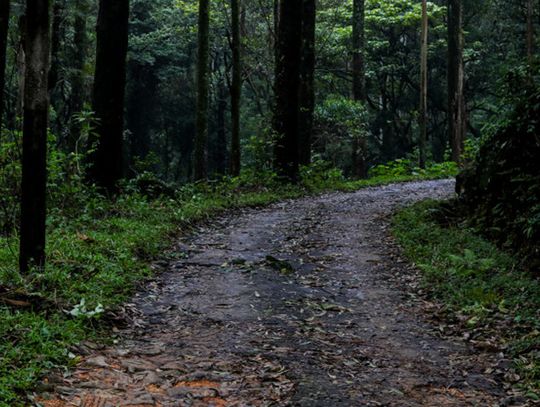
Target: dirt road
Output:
[(291, 305)]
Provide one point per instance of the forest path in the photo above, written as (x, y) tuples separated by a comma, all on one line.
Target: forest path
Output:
[(292, 305)]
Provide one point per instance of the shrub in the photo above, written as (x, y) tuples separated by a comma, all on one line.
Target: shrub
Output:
[(501, 188)]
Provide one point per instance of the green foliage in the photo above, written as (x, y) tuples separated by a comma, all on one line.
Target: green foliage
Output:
[(476, 281), (501, 187), (10, 188), (320, 176), (392, 72), (65, 180), (339, 121), (257, 150), (149, 185), (404, 167)]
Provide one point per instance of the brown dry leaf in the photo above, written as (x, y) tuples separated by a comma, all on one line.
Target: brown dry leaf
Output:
[(85, 238), (215, 402), (94, 401), (51, 403), (199, 384), (152, 388)]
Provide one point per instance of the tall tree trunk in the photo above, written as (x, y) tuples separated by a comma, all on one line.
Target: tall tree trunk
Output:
[(307, 86), (34, 161), (201, 138), (78, 94), (456, 101), (276, 35), (286, 113), (422, 141), (4, 26), (359, 83), (220, 150), (530, 31), (109, 91), (21, 67), (236, 88), (359, 44)]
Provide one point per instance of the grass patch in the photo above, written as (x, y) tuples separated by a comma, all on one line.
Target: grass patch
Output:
[(481, 286)]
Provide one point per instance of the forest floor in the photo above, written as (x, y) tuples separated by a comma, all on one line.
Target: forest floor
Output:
[(306, 303)]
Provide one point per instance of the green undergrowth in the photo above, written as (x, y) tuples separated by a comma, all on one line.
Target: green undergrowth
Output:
[(98, 250), (485, 291)]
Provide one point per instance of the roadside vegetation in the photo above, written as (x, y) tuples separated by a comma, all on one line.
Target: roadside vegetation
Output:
[(487, 294)]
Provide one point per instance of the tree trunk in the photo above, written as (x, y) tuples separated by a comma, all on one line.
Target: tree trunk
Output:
[(236, 88), (201, 138), (422, 120), (286, 113), (456, 101), (359, 44), (108, 94), (34, 161), (276, 34), (530, 31), (78, 94), (220, 150), (359, 83), (4, 26), (307, 86), (21, 67)]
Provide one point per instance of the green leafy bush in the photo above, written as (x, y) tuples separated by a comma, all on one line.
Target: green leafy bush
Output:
[(341, 124), (10, 185), (321, 175), (404, 167), (501, 188)]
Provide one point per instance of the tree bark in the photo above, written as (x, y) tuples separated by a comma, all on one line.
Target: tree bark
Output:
[(34, 161), (307, 86), (201, 137), (236, 88), (108, 93), (220, 150), (287, 87), (359, 144), (21, 67), (78, 94), (422, 141), (359, 45), (4, 26), (456, 100), (276, 34), (530, 31)]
